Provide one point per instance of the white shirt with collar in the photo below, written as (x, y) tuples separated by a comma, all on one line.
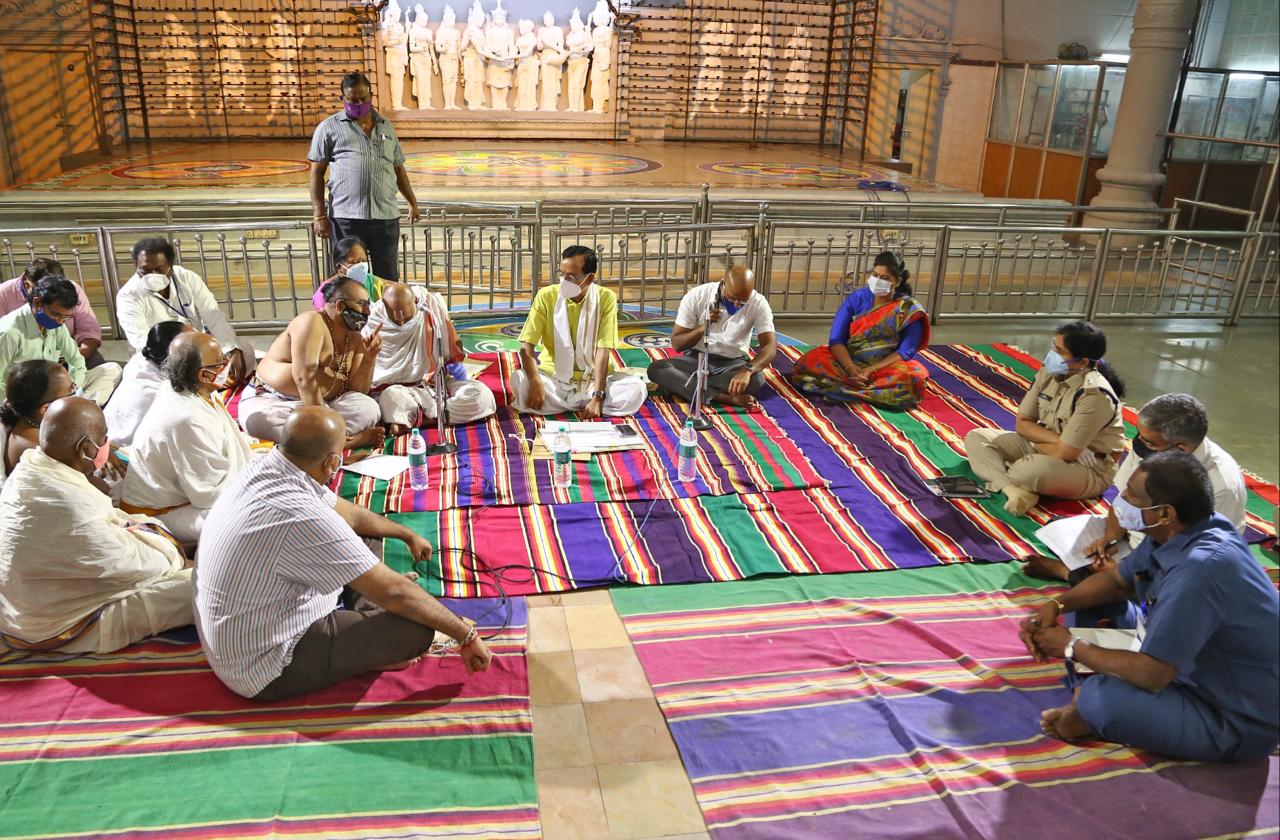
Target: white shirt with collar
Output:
[(731, 335), (190, 301)]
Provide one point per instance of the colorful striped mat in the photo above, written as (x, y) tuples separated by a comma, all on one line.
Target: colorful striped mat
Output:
[(147, 742), (902, 705), (871, 511)]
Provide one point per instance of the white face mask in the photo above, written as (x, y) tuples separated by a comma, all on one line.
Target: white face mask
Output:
[(878, 285), (569, 289), (155, 282), (220, 381), (358, 272)]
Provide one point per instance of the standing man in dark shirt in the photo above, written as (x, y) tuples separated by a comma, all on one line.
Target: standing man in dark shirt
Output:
[(359, 149)]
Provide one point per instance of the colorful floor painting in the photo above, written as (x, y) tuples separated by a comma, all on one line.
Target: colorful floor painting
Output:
[(524, 163), (147, 742), (800, 488), (798, 172), (211, 170), (903, 706)]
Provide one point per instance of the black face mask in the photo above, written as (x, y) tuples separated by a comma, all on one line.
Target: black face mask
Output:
[(355, 320), (1142, 450)]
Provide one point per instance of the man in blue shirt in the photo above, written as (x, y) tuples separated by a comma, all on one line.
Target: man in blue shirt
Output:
[(1205, 684)]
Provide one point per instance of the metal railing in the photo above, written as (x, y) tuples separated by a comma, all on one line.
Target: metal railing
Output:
[(264, 270)]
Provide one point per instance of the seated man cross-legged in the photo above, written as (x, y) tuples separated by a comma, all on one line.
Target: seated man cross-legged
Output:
[(1205, 683), (575, 327), (142, 380), (188, 448), (404, 374), (76, 574), (733, 378), (280, 548), (321, 359), (83, 323)]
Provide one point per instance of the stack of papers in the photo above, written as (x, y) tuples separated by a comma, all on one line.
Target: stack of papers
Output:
[(1069, 537), (591, 436)]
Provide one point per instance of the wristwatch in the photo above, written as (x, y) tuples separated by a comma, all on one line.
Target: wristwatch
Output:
[(598, 395), (1069, 652)]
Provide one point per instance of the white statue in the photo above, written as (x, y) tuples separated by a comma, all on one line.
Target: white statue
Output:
[(422, 57), (232, 40), (473, 59), (713, 43), (448, 39), (178, 50), (552, 56), (282, 88), (526, 68), (757, 81), (395, 44), (580, 45), (500, 52), (795, 87), (602, 41)]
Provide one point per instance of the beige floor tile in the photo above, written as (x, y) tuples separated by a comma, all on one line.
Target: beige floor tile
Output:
[(551, 599), (560, 737), (553, 679), (649, 799), (596, 626), (628, 730), (570, 804), (547, 630), (610, 674), (587, 598)]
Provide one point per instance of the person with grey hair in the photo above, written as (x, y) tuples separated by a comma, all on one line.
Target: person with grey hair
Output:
[(188, 448), (1170, 422)]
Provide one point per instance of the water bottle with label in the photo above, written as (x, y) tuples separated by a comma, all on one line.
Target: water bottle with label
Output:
[(562, 448), (688, 463), (417, 461)]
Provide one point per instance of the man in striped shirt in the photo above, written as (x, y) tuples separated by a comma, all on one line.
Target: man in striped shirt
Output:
[(361, 153), (278, 550)]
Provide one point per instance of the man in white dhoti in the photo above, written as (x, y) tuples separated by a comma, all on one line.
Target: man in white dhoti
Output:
[(161, 291), (188, 448), (320, 359), (76, 574), (404, 375), (142, 379), (575, 325)]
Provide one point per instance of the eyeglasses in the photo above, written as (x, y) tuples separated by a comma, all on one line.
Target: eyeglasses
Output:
[(362, 305), (572, 278), (54, 316), (218, 365)]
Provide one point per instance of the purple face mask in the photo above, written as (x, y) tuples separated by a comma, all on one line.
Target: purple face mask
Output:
[(358, 110)]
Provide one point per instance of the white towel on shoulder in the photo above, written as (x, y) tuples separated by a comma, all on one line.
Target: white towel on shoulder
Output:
[(581, 354)]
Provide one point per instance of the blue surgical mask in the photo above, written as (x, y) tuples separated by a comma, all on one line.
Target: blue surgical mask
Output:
[(1054, 364), (46, 322), (730, 307), (1129, 515)]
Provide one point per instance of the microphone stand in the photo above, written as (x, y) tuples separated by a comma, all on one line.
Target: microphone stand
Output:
[(696, 414), (441, 446)]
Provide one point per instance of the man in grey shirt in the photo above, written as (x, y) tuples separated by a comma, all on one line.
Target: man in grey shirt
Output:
[(367, 168)]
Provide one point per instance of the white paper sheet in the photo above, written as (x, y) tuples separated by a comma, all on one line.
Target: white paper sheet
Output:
[(1106, 637), (1069, 537), (384, 467), (590, 437)]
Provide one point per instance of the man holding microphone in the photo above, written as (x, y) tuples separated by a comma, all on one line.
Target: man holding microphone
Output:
[(360, 151)]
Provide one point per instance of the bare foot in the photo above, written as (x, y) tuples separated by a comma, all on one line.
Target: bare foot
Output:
[(400, 666), (1065, 724), (1019, 501), (374, 436), (398, 430), (1040, 566), (743, 401)]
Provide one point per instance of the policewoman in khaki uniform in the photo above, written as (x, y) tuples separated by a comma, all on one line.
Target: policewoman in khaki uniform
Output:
[(1070, 429)]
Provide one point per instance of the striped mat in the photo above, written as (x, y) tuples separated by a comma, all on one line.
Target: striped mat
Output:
[(902, 705), (870, 511), (147, 742)]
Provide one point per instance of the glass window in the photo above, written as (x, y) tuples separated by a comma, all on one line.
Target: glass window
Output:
[(1196, 114), (1005, 110), (1076, 84), (1037, 96), (1112, 84), (1244, 115), (1265, 126)]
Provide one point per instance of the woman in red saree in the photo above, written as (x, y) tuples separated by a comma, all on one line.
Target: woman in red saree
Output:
[(874, 338)]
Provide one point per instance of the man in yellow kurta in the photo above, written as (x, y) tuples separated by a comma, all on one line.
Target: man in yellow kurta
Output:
[(574, 325)]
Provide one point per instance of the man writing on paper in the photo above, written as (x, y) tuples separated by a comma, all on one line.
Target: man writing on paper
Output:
[(733, 377), (1205, 683), (320, 359), (575, 326), (404, 373), (1170, 422), (83, 323), (188, 448), (76, 574)]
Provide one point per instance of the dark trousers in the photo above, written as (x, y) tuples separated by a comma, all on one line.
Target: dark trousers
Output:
[(380, 236), (679, 375), (346, 643), (94, 360)]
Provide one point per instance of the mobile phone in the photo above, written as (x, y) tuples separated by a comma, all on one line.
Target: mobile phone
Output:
[(627, 431)]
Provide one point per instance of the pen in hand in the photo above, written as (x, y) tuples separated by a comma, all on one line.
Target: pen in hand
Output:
[(1101, 553)]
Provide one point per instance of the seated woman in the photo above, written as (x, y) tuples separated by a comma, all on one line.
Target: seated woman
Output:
[(33, 385), (1069, 432), (142, 378), (353, 262), (874, 338)]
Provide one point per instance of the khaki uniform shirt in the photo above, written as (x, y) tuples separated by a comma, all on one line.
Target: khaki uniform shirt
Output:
[(1081, 408)]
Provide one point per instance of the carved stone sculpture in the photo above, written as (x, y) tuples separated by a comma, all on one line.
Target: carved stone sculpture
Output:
[(579, 45), (714, 43), (795, 87), (526, 68), (232, 42), (473, 60), (602, 40), (282, 71), (551, 56), (757, 80), (395, 46), (178, 50), (448, 39), (500, 53), (422, 57)]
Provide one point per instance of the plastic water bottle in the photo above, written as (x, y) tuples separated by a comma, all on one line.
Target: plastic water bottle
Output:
[(417, 461), (562, 448), (688, 463)]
